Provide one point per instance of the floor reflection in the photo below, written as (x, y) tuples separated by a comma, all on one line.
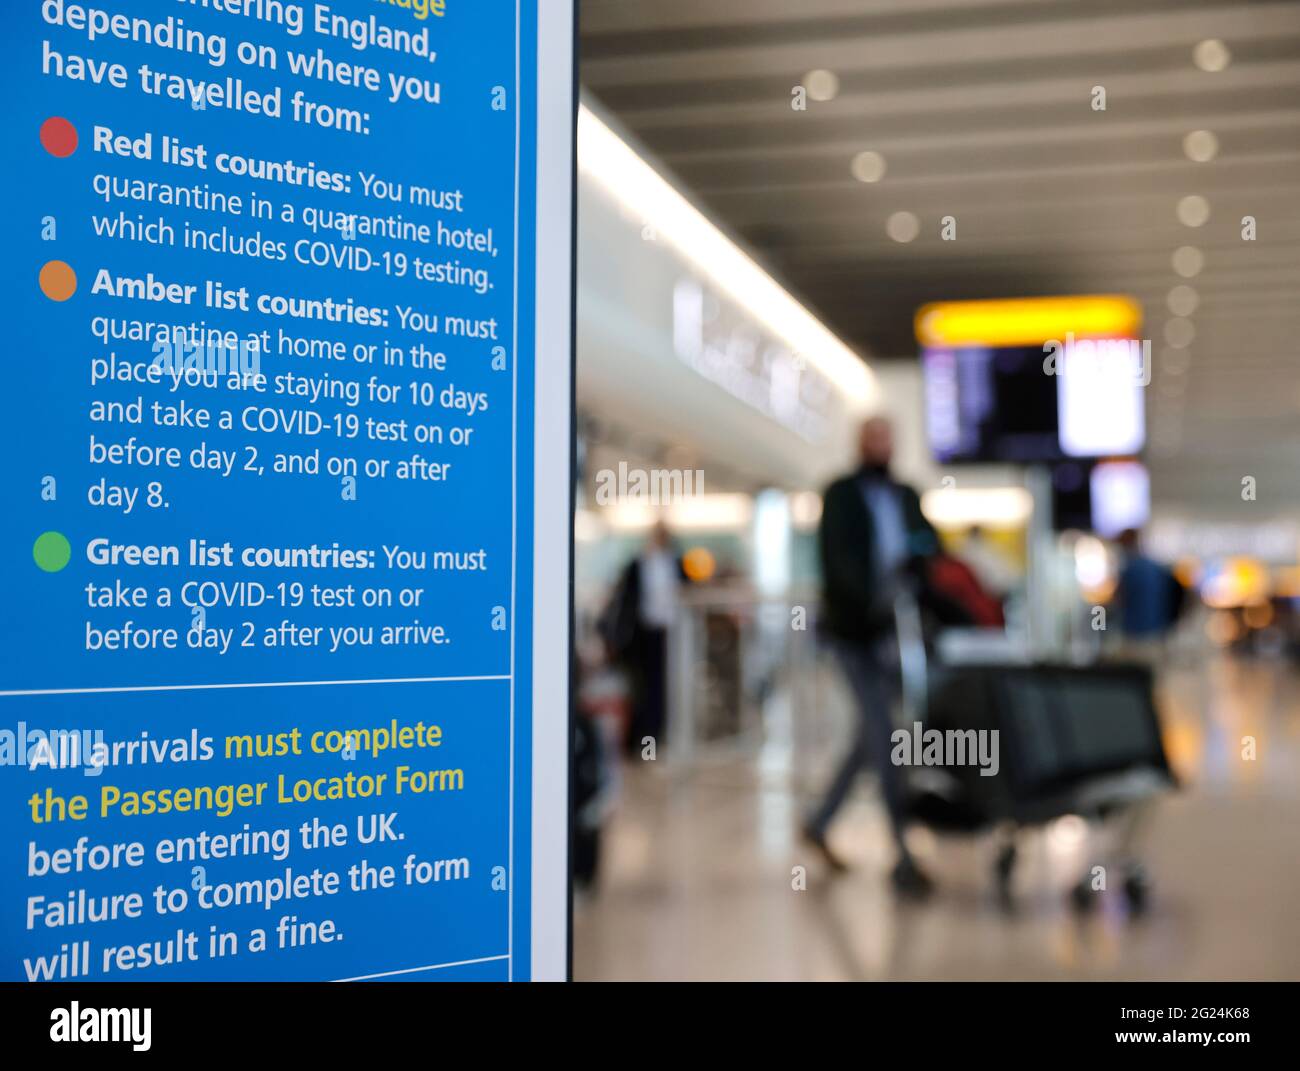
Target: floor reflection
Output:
[(703, 877)]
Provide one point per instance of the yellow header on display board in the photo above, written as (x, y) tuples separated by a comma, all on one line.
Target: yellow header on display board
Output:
[(1027, 321)]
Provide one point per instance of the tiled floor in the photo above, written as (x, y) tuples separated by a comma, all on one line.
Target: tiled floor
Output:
[(699, 869)]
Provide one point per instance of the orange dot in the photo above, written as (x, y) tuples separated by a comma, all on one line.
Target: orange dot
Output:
[(699, 565), (58, 281)]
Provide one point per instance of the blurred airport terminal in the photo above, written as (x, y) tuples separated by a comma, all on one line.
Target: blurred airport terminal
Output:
[(1053, 248)]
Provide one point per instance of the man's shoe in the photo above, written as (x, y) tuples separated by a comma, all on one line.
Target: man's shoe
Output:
[(818, 841)]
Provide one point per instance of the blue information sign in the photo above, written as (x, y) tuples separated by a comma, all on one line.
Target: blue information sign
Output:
[(284, 540)]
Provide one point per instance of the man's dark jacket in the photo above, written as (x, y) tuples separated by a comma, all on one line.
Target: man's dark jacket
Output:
[(620, 622), (857, 600)]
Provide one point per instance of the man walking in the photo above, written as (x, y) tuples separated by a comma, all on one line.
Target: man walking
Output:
[(872, 530)]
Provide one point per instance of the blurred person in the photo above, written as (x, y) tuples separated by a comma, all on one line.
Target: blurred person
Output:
[(602, 710), (591, 798), (635, 627), (872, 536), (1149, 595)]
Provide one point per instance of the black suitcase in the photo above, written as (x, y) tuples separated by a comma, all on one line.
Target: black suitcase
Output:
[(1071, 740)]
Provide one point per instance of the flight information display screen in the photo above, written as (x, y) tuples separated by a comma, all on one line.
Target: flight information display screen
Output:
[(1035, 404)]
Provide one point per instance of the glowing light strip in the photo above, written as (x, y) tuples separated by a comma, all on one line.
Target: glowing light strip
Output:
[(955, 507), (1027, 321), (617, 168), (717, 512)]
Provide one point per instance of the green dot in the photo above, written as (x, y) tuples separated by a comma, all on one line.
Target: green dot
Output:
[(52, 551)]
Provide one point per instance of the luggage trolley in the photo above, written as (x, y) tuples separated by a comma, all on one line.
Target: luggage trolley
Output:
[(1072, 740)]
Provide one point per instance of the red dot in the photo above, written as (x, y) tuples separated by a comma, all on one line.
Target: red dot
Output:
[(58, 136)]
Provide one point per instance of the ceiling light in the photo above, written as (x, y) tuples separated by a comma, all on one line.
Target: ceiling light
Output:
[(902, 226), (1200, 145), (1193, 210), (868, 166), (821, 84), (1179, 332), (1211, 55), (1188, 261), (1182, 300)]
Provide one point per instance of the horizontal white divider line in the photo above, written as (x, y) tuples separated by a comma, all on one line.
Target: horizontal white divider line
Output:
[(250, 684)]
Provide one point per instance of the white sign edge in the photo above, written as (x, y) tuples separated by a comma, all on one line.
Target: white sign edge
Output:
[(552, 490)]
